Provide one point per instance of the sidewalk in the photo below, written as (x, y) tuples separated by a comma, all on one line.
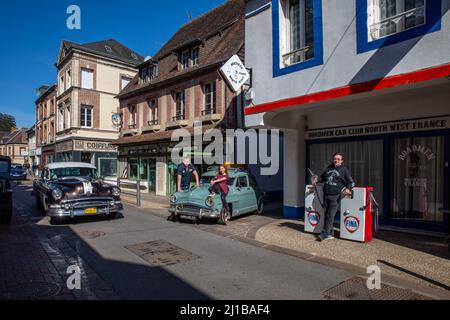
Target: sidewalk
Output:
[(424, 261), (418, 262)]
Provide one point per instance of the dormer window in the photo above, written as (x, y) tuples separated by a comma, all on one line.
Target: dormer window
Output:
[(195, 56), (184, 60), (143, 75), (108, 49), (151, 72)]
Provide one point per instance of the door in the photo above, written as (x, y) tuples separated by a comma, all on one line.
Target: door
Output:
[(246, 195), (418, 180)]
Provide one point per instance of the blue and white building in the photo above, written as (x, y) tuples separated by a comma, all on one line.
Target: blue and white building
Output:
[(368, 78)]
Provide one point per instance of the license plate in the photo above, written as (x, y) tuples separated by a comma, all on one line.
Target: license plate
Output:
[(90, 211), (188, 217)]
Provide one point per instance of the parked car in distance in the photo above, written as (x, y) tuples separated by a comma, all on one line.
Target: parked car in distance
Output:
[(18, 172), (244, 197), (6, 201), (73, 189)]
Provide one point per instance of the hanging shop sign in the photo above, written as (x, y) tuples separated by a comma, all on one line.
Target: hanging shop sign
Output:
[(235, 73), (381, 128)]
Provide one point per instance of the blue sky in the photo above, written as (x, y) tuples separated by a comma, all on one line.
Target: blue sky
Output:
[(31, 32)]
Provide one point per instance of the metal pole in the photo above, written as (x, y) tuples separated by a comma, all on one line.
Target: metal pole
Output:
[(138, 193)]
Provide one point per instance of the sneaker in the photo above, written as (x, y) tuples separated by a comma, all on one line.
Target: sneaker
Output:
[(211, 195), (321, 237), (328, 238)]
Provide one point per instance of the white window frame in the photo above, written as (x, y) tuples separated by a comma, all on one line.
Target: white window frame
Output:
[(68, 78), (193, 60), (286, 51), (183, 104), (68, 111), (184, 64), (90, 108), (62, 85), (62, 119), (153, 111), (132, 110), (213, 97), (374, 18), (84, 83), (122, 80)]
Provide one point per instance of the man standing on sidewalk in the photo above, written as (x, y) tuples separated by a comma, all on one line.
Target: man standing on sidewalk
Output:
[(337, 183), (185, 172)]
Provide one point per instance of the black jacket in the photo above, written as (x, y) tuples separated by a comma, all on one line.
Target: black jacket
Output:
[(336, 179)]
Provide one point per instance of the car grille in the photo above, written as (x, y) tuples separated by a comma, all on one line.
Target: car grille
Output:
[(83, 203), (189, 209)]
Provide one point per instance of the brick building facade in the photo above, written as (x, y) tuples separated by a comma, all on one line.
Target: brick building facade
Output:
[(181, 85)]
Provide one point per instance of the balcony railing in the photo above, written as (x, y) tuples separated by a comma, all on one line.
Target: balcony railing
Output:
[(132, 126), (295, 56), (178, 117), (208, 111), (376, 27), (152, 122)]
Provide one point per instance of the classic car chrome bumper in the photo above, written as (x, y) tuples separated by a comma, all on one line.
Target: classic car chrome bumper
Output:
[(78, 208), (194, 212)]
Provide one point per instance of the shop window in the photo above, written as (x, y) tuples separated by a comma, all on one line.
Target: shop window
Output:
[(384, 22), (297, 41), (86, 157), (133, 171), (364, 159), (418, 179), (107, 167)]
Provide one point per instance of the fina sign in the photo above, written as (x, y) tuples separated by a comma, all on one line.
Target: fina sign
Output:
[(235, 73)]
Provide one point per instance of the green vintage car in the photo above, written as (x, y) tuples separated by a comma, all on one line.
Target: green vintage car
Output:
[(195, 204)]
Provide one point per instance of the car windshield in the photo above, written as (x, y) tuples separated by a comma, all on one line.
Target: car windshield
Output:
[(4, 167), (73, 172), (16, 166)]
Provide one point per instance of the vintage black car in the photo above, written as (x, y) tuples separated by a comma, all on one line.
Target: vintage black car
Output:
[(6, 205), (73, 189)]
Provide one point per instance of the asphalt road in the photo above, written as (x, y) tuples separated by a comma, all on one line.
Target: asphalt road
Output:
[(216, 267)]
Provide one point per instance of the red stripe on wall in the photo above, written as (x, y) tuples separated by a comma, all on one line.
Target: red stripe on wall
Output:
[(374, 85)]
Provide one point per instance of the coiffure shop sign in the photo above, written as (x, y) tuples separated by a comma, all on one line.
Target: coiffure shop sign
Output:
[(381, 128), (99, 146)]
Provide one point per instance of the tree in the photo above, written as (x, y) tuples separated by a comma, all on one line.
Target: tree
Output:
[(7, 122)]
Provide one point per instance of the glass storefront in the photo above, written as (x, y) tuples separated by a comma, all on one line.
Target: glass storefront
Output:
[(107, 167), (418, 179), (143, 169), (364, 159), (408, 172)]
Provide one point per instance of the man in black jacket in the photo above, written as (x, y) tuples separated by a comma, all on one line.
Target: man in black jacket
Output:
[(337, 183)]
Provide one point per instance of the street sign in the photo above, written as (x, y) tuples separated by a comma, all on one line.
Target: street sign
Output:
[(235, 73)]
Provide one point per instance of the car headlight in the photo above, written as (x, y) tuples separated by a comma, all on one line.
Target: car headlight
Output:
[(115, 191), (173, 199), (209, 201), (57, 194)]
